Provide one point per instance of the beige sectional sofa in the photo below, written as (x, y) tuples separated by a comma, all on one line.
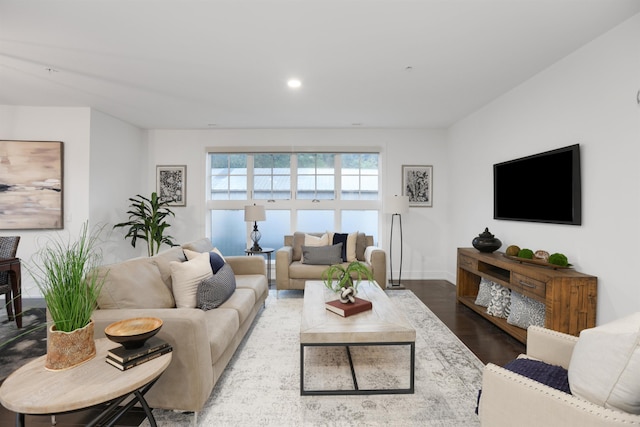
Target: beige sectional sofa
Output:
[(203, 341), (292, 273)]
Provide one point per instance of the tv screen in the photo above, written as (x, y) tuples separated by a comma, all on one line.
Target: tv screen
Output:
[(544, 187)]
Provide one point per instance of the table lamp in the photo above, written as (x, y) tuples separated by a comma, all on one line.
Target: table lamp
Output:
[(255, 213), (396, 206)]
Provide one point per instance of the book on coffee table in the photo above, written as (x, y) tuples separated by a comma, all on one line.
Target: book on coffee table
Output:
[(138, 360), (348, 309)]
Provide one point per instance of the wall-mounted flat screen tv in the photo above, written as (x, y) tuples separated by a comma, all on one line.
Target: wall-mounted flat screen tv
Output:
[(544, 187)]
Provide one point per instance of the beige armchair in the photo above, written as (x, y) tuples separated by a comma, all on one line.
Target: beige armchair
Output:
[(509, 399), (292, 274)]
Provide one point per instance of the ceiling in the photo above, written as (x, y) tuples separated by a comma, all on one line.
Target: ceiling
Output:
[(194, 64)]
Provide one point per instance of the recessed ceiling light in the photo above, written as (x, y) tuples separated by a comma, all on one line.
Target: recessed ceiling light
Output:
[(294, 83)]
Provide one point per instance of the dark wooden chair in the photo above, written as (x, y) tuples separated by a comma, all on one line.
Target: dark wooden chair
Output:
[(8, 249)]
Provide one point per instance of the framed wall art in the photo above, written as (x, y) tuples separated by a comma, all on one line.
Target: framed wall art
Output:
[(417, 183), (31, 196), (171, 184)]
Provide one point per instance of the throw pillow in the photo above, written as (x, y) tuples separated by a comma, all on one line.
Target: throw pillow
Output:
[(215, 258), (322, 255), (311, 240), (215, 290), (605, 365), (526, 311), (484, 293), (500, 301), (186, 276), (550, 375), (342, 239), (349, 242)]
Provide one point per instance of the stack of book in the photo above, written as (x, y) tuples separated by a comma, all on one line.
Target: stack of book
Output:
[(124, 359), (348, 309)]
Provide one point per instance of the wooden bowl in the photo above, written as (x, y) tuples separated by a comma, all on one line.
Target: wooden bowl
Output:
[(132, 333)]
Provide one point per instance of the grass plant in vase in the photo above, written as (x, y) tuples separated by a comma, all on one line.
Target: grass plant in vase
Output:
[(63, 271), (340, 279)]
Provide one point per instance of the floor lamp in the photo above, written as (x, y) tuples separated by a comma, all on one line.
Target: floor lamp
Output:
[(396, 206)]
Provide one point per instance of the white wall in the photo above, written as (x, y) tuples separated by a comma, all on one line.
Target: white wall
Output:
[(118, 171), (424, 228), (104, 165), (588, 98), (71, 126)]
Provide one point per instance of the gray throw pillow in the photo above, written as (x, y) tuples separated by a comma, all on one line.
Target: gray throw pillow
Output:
[(322, 255), (526, 311), (484, 293), (215, 290)]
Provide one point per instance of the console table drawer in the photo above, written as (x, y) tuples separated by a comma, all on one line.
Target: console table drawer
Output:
[(529, 286), (468, 263)]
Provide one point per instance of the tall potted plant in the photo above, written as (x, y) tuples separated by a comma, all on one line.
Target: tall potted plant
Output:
[(63, 271), (147, 221)]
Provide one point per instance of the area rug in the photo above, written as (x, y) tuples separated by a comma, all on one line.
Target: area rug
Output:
[(261, 385), (18, 346)]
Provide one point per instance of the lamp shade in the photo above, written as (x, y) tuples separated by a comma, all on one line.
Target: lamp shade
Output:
[(254, 213), (396, 204)]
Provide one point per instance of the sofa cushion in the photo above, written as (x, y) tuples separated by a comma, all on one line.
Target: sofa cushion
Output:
[(135, 283), (256, 282), (361, 246), (215, 290), (186, 277), (200, 245), (322, 255), (216, 260), (605, 365), (163, 261), (297, 270), (525, 311), (307, 239), (242, 301)]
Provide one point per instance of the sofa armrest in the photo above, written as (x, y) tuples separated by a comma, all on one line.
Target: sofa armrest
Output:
[(510, 399), (246, 264), (552, 347), (188, 381), (377, 260), (284, 258)]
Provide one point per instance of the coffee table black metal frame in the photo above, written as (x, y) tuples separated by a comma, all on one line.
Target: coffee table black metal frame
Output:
[(357, 390)]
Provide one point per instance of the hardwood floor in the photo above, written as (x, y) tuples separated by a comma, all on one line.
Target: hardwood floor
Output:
[(485, 340)]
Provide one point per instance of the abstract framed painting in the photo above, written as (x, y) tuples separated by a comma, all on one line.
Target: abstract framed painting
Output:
[(31, 190), (171, 184), (417, 183)]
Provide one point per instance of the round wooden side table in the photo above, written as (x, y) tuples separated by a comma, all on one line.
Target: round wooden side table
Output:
[(34, 390)]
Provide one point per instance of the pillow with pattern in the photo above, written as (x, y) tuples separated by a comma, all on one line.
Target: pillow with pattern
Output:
[(484, 293), (500, 301), (215, 290), (526, 311)]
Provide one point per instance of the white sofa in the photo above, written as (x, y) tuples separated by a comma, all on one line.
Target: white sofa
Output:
[(203, 341), (509, 399)]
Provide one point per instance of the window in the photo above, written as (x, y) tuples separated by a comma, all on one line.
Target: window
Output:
[(309, 191)]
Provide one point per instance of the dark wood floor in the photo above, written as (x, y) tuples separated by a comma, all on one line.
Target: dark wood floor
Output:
[(486, 341)]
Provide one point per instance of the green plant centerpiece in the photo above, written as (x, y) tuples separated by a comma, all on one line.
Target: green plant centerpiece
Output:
[(63, 272), (147, 221), (340, 279)]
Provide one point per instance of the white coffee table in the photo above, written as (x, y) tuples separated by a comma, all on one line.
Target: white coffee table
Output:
[(384, 324)]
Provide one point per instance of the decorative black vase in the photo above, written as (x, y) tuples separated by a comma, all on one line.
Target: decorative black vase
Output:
[(486, 242)]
